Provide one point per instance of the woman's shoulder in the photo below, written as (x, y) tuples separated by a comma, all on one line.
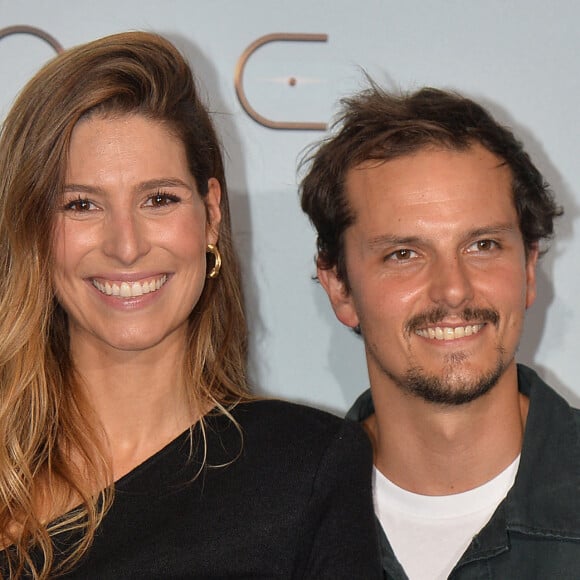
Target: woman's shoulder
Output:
[(286, 422), (282, 437), (284, 412)]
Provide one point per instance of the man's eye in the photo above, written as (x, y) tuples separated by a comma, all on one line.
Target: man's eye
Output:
[(79, 205), (483, 246), (161, 200), (401, 255)]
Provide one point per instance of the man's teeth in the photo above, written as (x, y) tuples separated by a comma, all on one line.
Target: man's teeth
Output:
[(129, 289), (448, 332)]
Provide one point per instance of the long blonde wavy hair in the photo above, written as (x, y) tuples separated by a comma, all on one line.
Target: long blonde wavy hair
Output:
[(43, 417)]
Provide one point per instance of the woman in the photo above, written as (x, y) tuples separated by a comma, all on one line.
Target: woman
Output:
[(130, 446)]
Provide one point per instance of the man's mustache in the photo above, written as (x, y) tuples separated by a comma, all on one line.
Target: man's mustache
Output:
[(470, 315)]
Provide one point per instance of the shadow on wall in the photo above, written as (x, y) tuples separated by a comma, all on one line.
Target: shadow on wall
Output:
[(346, 356), (208, 86), (546, 293)]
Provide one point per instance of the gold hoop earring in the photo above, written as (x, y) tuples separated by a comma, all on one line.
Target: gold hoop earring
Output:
[(217, 261)]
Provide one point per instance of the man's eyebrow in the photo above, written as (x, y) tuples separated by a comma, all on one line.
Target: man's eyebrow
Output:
[(378, 242), (493, 229), (390, 240)]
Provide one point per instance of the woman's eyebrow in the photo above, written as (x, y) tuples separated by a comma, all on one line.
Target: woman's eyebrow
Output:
[(162, 182), (144, 186)]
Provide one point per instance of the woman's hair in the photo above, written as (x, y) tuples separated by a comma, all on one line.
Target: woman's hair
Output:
[(44, 421)]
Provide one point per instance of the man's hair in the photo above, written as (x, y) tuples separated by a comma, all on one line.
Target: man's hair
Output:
[(42, 413), (381, 126)]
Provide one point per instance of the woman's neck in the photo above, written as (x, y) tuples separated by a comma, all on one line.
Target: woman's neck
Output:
[(140, 398)]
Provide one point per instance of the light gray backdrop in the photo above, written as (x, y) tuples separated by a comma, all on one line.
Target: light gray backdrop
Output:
[(519, 57)]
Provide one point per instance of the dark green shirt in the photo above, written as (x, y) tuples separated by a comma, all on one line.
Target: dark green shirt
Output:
[(535, 531)]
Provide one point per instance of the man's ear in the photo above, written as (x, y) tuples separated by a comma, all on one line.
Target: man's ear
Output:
[(531, 264), (340, 297)]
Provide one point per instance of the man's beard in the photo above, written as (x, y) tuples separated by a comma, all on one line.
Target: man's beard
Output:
[(451, 388)]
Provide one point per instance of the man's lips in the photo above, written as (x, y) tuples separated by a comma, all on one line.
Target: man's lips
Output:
[(449, 332), (441, 324)]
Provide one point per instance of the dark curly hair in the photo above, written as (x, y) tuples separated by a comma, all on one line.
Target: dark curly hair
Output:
[(378, 125)]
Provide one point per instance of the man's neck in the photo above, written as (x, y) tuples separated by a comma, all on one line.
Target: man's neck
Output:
[(441, 450)]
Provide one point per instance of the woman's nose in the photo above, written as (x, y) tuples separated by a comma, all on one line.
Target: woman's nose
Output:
[(125, 238)]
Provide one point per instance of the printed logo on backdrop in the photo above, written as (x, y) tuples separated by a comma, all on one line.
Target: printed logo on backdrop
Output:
[(292, 80), (238, 74), (32, 31)]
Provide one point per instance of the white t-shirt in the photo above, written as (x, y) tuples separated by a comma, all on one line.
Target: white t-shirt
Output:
[(429, 534)]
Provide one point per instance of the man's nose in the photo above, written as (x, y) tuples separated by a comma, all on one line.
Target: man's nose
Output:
[(450, 282)]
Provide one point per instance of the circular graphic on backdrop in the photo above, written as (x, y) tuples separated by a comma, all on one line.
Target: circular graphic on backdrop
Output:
[(33, 31)]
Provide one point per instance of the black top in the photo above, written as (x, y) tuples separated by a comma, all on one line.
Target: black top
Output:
[(288, 498)]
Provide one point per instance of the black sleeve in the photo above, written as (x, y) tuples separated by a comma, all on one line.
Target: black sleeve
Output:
[(340, 534)]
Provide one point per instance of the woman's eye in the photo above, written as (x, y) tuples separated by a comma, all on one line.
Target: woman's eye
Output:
[(161, 200), (79, 205), (402, 255)]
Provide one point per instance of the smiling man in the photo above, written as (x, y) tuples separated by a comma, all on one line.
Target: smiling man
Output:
[(430, 218)]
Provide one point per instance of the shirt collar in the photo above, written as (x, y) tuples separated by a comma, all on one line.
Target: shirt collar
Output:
[(545, 498)]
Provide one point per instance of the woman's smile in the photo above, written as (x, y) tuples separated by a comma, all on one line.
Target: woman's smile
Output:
[(131, 234)]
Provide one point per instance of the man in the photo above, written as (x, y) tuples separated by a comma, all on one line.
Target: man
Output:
[(430, 219)]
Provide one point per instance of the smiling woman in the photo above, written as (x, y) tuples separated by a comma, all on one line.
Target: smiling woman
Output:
[(129, 443), (130, 236)]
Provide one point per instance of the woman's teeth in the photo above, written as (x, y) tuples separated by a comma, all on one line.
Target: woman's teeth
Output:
[(130, 289)]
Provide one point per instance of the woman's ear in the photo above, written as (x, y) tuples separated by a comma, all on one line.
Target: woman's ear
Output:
[(214, 214)]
